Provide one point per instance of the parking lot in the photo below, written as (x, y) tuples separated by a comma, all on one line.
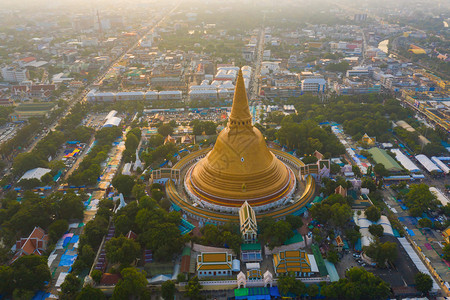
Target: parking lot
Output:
[(8, 131)]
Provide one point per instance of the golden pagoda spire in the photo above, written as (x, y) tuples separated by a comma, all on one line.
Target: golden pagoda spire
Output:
[(240, 112)]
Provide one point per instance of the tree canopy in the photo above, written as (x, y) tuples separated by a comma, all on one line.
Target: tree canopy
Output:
[(122, 250), (373, 213), (90, 293), (168, 290), (124, 184), (357, 284), (165, 130), (420, 199), (133, 284), (382, 252), (274, 233), (423, 282), (27, 273), (288, 284), (193, 289), (376, 230)]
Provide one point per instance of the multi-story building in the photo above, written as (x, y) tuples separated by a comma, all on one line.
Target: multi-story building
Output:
[(14, 74), (314, 85)]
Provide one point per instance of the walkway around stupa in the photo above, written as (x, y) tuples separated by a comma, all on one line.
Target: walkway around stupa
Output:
[(212, 216)]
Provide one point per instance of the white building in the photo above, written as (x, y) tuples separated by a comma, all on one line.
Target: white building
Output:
[(170, 95), (314, 85), (125, 96), (202, 94), (358, 72), (13, 74), (151, 95), (36, 173), (427, 163), (112, 122)]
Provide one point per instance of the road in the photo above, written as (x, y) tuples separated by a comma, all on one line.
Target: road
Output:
[(110, 170), (83, 96), (254, 81)]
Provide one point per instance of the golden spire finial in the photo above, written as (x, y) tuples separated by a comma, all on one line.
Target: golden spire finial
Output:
[(240, 112)]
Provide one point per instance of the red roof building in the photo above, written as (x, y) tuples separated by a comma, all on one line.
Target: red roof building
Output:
[(35, 243), (131, 235), (110, 279), (341, 191), (34, 91), (28, 59)]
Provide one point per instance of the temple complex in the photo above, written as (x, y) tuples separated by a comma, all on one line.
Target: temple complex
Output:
[(240, 170)]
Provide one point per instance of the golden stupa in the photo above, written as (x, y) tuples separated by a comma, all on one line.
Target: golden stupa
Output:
[(240, 167)]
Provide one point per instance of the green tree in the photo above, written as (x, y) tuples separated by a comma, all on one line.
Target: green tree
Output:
[(382, 252), (90, 293), (295, 221), (27, 161), (193, 289), (138, 191), (86, 255), (47, 178), (70, 207), (356, 171), (425, 223), (312, 290), (122, 250), (275, 233), (380, 170), (124, 184), (210, 127), (155, 140), (433, 149), (70, 286), (423, 282), (369, 183), (132, 142), (96, 276), (373, 213), (28, 184), (132, 285), (332, 256), (165, 130), (353, 235), (94, 232), (287, 283), (30, 273), (446, 252), (56, 229), (376, 230), (420, 199), (168, 290), (358, 284), (6, 280)]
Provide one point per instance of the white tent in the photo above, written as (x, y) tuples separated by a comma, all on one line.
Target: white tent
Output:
[(405, 161), (427, 163)]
